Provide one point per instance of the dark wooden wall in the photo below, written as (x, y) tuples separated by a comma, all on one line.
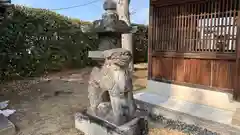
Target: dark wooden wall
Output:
[(203, 73), (178, 53)]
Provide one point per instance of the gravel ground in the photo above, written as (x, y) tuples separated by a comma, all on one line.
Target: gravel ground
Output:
[(182, 127), (159, 131)]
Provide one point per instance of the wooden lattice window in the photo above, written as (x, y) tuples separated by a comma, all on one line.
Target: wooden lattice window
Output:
[(197, 27)]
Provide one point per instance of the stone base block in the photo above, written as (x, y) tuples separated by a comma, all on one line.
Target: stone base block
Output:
[(6, 127), (92, 125)]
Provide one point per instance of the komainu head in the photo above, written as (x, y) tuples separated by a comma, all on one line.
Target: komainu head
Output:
[(119, 56)]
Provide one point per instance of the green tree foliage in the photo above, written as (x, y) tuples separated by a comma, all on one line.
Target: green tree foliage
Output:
[(140, 44)]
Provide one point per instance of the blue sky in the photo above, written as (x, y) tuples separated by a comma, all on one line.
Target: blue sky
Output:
[(90, 12)]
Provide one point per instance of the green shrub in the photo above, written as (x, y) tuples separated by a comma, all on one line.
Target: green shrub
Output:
[(34, 41), (140, 44)]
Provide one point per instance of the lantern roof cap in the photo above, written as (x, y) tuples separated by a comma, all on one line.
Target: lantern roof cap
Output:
[(109, 5)]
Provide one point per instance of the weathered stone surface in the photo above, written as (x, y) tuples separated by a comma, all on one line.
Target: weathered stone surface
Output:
[(109, 42), (93, 125), (113, 83), (110, 23), (109, 28), (109, 5), (6, 127)]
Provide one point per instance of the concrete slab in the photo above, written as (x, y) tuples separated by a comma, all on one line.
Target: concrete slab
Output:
[(6, 127), (236, 118), (211, 98), (214, 119), (198, 110)]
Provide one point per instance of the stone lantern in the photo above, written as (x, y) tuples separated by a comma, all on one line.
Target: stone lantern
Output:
[(108, 29)]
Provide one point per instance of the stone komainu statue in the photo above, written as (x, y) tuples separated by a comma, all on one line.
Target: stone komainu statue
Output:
[(110, 87)]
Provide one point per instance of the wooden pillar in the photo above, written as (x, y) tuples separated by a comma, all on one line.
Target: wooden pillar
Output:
[(150, 40), (237, 77)]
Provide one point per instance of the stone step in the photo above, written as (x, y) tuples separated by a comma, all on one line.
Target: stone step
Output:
[(236, 118), (6, 127), (214, 119), (217, 99)]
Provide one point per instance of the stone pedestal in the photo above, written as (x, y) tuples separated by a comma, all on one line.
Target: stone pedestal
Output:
[(93, 125), (6, 127)]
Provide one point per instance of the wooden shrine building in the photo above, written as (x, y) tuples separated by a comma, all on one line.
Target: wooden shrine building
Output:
[(194, 60), (196, 43)]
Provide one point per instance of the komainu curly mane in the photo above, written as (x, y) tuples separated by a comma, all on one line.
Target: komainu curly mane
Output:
[(113, 76)]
